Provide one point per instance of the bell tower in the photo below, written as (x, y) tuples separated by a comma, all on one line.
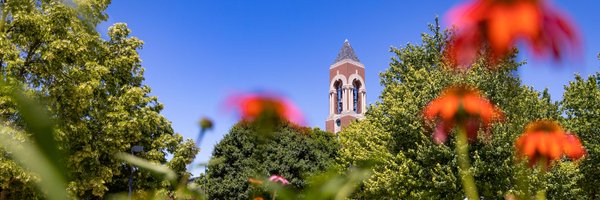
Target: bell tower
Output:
[(347, 93)]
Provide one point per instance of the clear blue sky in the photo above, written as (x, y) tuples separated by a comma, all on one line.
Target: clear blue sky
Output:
[(196, 53)]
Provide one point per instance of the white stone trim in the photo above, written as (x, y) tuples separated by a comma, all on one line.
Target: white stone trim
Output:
[(347, 60), (364, 103), (360, 79), (335, 78), (331, 102), (347, 113)]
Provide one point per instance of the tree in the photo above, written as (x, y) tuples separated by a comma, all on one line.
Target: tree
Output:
[(292, 152), (409, 165), (581, 103), (93, 89)]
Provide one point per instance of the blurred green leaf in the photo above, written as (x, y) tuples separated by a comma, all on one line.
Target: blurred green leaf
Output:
[(41, 155), (30, 156), (162, 170), (38, 124), (328, 185), (211, 162), (215, 161)]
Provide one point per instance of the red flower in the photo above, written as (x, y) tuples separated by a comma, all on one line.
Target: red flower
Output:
[(545, 141), (254, 106), (462, 105), (501, 23)]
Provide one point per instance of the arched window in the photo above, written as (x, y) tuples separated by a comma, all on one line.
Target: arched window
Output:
[(338, 99), (355, 94)]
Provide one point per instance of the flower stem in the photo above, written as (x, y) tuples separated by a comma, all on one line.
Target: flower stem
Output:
[(541, 194), (4, 15), (462, 150), (522, 181)]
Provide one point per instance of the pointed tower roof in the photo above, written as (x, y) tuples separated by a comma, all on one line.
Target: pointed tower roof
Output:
[(346, 53)]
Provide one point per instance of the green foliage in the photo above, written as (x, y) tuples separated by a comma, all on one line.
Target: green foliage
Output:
[(92, 89), (161, 170), (41, 156), (409, 165), (291, 152), (581, 103), (324, 186), (18, 151), (180, 186)]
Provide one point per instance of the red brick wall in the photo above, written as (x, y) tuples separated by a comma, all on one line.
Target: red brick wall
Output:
[(329, 126), (346, 120), (347, 69)]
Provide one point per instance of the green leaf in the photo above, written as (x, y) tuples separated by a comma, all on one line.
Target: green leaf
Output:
[(324, 186), (33, 158), (38, 124), (158, 169)]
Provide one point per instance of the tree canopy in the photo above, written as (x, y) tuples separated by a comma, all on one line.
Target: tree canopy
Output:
[(581, 103), (409, 165), (291, 152), (93, 89)]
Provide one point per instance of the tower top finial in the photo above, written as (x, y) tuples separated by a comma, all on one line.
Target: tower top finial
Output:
[(346, 53)]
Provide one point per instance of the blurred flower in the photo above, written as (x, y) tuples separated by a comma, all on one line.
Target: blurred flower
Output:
[(501, 23), (279, 179), (206, 123), (258, 198), (460, 105), (572, 147), (510, 196), (545, 141), (255, 181), (253, 107)]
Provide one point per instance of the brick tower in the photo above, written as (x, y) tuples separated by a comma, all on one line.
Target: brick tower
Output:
[(347, 93)]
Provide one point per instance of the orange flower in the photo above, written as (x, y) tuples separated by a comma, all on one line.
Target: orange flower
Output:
[(255, 181), (573, 147), (462, 105), (545, 141), (254, 106), (501, 23)]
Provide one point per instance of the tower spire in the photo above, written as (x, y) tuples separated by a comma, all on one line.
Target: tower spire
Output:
[(346, 52)]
